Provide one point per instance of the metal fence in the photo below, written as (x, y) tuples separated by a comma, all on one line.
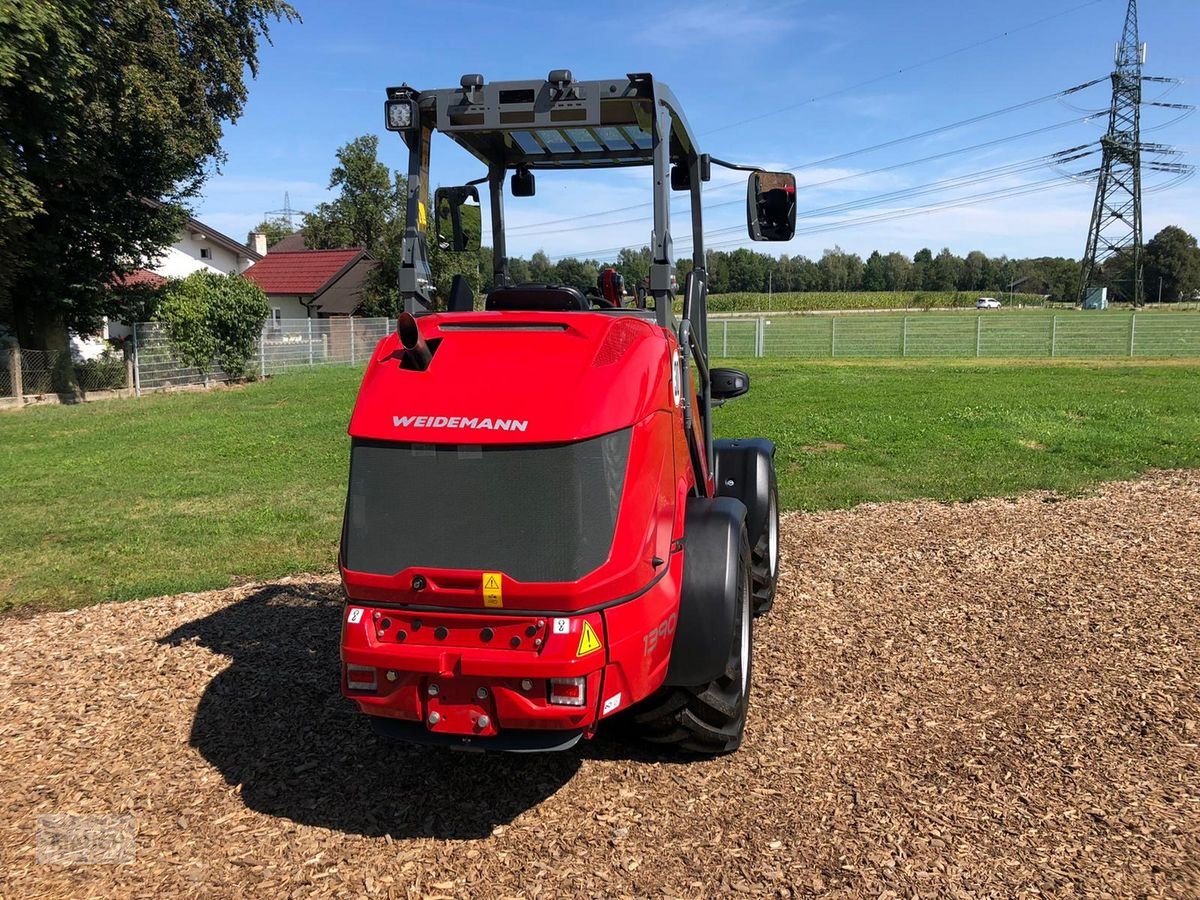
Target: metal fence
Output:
[(284, 346), (42, 372), (1081, 335)]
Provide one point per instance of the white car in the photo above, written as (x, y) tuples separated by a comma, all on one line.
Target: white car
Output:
[(987, 303)]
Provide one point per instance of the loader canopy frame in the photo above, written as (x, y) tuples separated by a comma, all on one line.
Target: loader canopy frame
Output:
[(563, 124)]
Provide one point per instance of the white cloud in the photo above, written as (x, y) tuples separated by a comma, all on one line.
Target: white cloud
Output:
[(694, 24)]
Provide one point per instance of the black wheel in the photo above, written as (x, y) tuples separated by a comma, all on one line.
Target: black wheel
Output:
[(711, 718), (764, 558)]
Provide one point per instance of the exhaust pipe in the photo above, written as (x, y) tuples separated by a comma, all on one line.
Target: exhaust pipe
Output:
[(416, 352)]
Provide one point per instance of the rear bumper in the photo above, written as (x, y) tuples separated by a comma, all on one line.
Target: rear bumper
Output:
[(516, 741), (443, 677)]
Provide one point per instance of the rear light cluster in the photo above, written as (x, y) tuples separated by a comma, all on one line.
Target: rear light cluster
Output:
[(361, 678), (568, 691), (561, 691)]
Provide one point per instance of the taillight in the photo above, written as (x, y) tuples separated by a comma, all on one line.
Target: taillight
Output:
[(361, 678), (568, 691)]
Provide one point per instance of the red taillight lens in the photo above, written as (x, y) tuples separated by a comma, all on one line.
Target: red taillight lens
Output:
[(568, 691), (361, 678)]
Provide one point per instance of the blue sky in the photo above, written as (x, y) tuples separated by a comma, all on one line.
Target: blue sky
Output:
[(817, 79)]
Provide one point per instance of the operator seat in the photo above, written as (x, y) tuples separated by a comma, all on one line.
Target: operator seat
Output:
[(539, 297)]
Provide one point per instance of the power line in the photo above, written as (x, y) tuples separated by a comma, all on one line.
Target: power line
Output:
[(971, 200), (903, 69), (1071, 154), (972, 120), (892, 215), (999, 194), (842, 178)]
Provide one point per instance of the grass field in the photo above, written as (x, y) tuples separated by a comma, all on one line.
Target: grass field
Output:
[(190, 491)]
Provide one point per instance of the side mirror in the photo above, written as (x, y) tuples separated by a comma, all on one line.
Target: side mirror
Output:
[(726, 384), (771, 206), (459, 221), (522, 183)]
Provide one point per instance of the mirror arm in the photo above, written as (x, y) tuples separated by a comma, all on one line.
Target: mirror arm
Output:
[(729, 165)]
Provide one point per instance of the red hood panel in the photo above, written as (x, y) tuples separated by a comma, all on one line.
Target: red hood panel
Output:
[(504, 378)]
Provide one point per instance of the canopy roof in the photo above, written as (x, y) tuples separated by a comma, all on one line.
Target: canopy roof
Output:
[(544, 125)]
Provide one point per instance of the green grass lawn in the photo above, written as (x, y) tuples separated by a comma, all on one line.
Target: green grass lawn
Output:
[(189, 491)]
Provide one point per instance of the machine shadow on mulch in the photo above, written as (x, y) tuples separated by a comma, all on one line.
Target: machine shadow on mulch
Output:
[(275, 723)]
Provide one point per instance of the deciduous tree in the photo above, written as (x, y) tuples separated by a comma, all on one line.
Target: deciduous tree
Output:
[(103, 105), (1173, 256)]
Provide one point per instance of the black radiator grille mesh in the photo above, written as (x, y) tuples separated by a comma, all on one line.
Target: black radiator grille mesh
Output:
[(536, 513)]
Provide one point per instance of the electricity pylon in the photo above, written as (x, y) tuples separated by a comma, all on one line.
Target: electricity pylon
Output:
[(1116, 227)]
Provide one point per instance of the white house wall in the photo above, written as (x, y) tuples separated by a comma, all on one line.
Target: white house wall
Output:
[(289, 307), (184, 257)]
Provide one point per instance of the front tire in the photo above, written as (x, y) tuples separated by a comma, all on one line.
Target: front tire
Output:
[(709, 719)]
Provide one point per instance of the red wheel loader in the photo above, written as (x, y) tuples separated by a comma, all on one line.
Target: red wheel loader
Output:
[(540, 531)]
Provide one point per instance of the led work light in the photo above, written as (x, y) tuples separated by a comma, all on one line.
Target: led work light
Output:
[(400, 115)]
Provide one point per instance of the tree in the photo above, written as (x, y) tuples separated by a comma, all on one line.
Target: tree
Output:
[(368, 206), (211, 317), (945, 271), (840, 271), (875, 273), (897, 271), (275, 228), (518, 270), (578, 273), (921, 277), (1173, 256), (748, 270), (634, 265), (369, 211), (541, 270), (971, 274), (105, 104)]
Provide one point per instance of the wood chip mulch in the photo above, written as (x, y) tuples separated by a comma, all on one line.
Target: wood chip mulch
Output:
[(990, 699)]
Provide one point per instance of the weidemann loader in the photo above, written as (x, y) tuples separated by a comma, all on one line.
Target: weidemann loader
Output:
[(540, 531)]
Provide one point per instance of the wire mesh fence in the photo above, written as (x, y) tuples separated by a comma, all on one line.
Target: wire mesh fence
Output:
[(300, 343), (284, 346), (1080, 335), (40, 373), (7, 388)]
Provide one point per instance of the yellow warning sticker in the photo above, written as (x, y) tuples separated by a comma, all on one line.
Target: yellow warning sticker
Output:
[(422, 216), (588, 642), (493, 589)]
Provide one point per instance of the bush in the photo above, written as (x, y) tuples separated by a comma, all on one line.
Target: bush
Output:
[(214, 318)]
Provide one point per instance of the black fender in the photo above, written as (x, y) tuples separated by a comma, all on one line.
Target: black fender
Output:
[(708, 598), (743, 470)]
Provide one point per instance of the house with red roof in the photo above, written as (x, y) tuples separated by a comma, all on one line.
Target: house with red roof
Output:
[(197, 247), (313, 284)]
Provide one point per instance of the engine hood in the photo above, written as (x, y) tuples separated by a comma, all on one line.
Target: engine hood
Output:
[(516, 377)]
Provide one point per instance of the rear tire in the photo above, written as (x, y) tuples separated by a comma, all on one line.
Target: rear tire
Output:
[(764, 558), (709, 719)]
